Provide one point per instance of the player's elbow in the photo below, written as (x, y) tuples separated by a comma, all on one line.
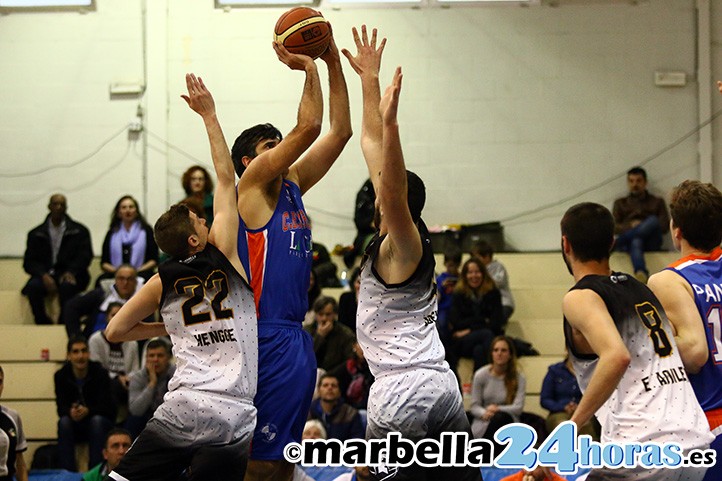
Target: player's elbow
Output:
[(697, 359), (622, 359), (309, 128), (112, 334), (343, 134)]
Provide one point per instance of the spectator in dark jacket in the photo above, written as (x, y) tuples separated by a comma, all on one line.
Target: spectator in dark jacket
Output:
[(341, 421), (332, 342), (476, 314), (560, 395), (57, 257), (84, 403)]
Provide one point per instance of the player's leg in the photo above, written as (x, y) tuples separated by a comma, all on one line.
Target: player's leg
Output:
[(286, 380), (211, 463), (152, 457)]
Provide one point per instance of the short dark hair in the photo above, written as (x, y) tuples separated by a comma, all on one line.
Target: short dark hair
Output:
[(589, 228), (157, 343), (324, 301), (696, 209), (452, 254), (116, 432), (245, 144), (637, 171), (416, 195), (76, 339), (482, 248), (172, 230), (326, 375), (112, 305)]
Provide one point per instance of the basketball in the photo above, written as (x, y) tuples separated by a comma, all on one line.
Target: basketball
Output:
[(304, 31)]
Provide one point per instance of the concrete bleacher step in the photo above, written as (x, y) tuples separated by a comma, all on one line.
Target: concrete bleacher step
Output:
[(538, 301), (40, 418), (546, 335), (29, 380), (15, 308), (26, 343)]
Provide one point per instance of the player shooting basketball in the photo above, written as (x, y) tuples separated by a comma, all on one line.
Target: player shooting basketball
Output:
[(274, 242)]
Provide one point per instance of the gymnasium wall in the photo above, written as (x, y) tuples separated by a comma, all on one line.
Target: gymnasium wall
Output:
[(504, 109)]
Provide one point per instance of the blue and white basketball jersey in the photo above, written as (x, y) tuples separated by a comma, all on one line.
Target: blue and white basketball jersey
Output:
[(704, 274)]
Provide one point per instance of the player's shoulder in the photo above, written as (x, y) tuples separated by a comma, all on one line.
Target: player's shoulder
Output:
[(577, 302), (663, 279)]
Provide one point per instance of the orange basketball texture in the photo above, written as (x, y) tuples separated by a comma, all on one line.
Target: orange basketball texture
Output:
[(304, 31)]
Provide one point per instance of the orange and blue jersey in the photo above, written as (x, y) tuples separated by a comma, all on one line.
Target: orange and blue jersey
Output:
[(704, 275), (278, 257)]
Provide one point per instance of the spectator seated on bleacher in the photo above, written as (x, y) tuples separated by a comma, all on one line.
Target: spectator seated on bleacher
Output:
[(313, 429), (85, 405), (129, 241), (117, 444), (475, 316), (355, 378), (148, 385), (340, 420), (119, 359), (484, 251), (332, 341), (57, 257), (12, 461), (560, 395), (89, 308), (497, 392), (445, 284)]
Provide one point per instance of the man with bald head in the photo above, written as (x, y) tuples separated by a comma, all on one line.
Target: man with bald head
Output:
[(57, 257)]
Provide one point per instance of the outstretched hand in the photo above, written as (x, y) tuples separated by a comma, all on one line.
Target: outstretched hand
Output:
[(199, 98), (719, 86), (389, 105), (294, 61), (368, 57)]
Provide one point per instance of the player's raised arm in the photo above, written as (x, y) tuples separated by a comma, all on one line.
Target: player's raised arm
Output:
[(324, 152), (367, 64), (404, 246), (276, 161), (128, 325), (224, 233), (677, 299), (588, 315)]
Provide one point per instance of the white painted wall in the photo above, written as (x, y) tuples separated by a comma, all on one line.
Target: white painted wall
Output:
[(503, 110)]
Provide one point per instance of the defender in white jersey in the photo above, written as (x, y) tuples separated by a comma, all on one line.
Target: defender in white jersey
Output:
[(623, 350), (204, 426), (415, 393)]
